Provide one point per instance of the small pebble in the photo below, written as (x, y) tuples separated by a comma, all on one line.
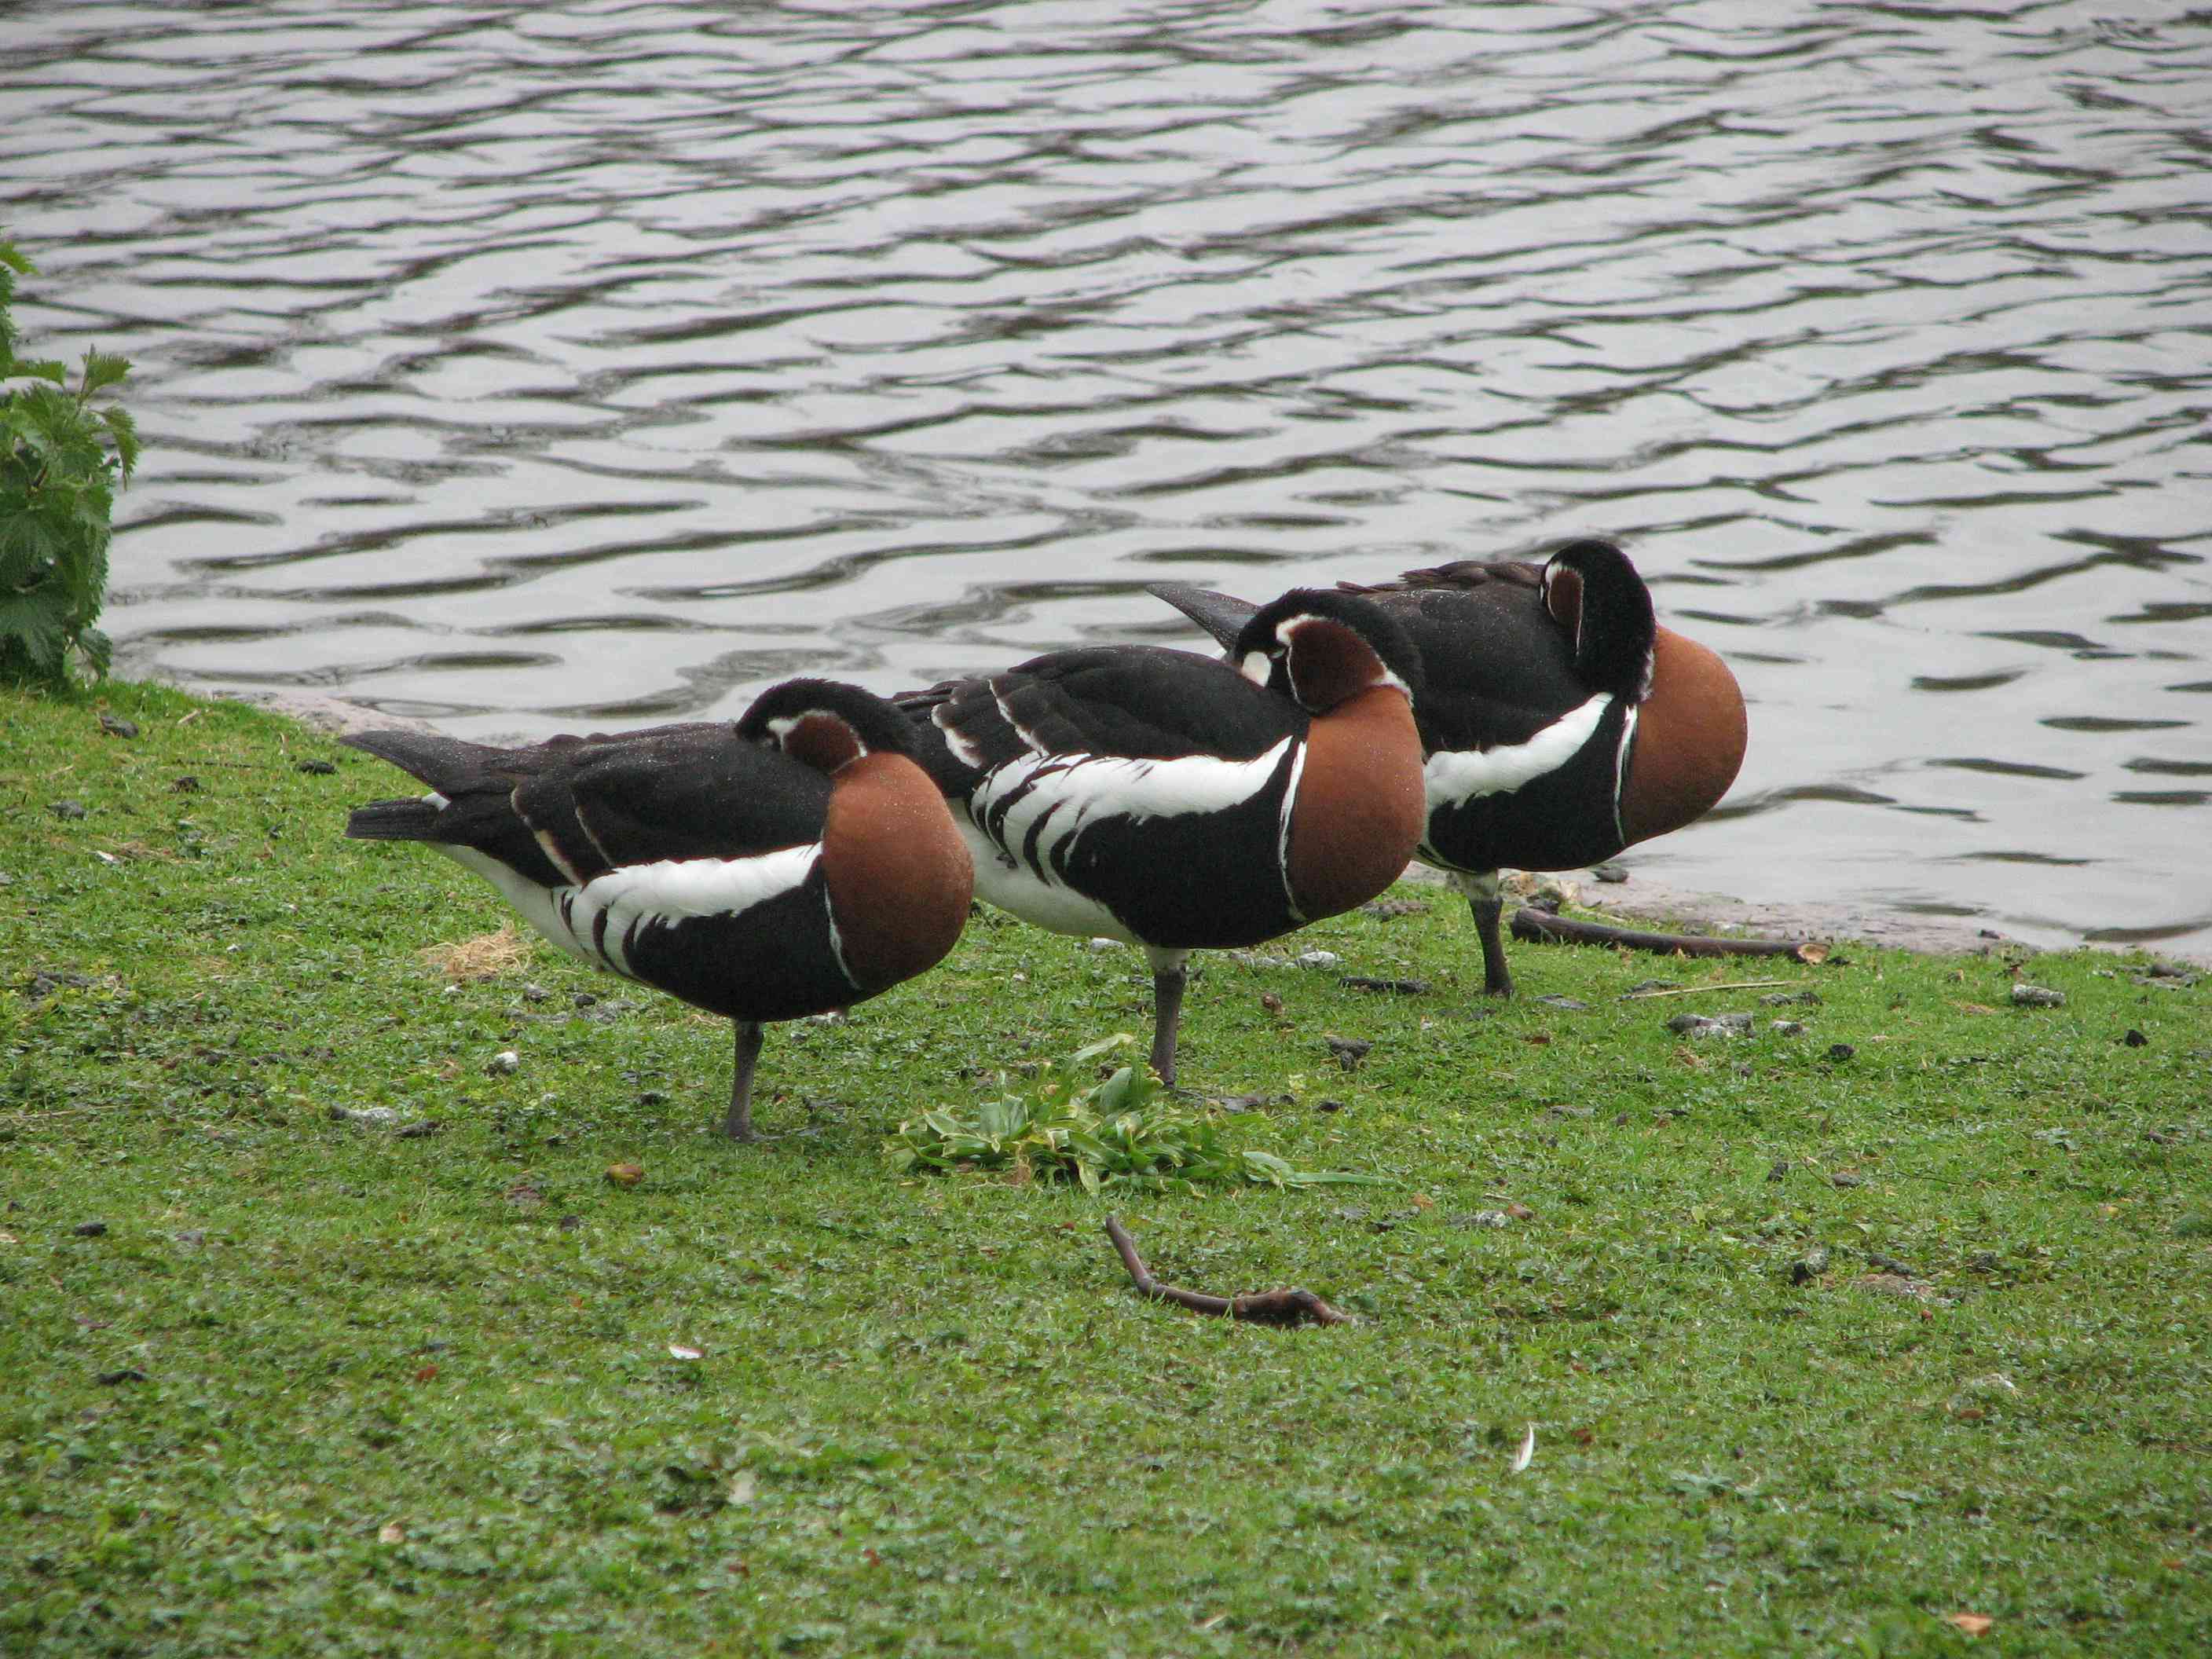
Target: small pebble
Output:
[(1407, 988), (1809, 1266), (1569, 1004), (187, 784), (568, 1224), (1103, 946), (1840, 1051), (422, 1129), (1484, 1218), (2037, 996), (1716, 1025), (1329, 1105), (67, 808), (89, 1229), (321, 768), (1780, 1171), (128, 1374), (1613, 874), (1784, 999), (535, 994), (116, 726), (1789, 1028), (1847, 1178), (1348, 1051), (1317, 959), (582, 998), (2135, 1039), (504, 1063), (376, 1114)]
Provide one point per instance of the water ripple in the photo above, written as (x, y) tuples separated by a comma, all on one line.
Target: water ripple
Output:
[(476, 342)]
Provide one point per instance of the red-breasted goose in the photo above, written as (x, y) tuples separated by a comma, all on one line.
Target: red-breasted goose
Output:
[(796, 862), (1176, 802), (1561, 722)]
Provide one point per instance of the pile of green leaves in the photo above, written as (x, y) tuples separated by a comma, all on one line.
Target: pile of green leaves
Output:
[(1124, 1132), (61, 462)]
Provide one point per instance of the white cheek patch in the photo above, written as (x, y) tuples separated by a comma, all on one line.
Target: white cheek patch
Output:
[(1463, 774), (1255, 666)]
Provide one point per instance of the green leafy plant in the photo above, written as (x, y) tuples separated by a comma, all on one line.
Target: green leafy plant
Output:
[(61, 461), (1124, 1132)]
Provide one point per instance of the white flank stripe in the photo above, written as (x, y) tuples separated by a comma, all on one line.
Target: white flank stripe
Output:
[(1620, 770), (673, 889), (1462, 773), (1077, 791)]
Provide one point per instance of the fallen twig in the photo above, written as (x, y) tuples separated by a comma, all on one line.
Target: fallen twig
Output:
[(1266, 1308), (1542, 927), (1693, 990)]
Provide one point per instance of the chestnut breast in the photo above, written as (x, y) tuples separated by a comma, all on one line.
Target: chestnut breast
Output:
[(1690, 736), (1360, 809), (898, 873)]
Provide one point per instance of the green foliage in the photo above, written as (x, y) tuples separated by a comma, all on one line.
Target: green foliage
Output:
[(61, 462), (1123, 1131)]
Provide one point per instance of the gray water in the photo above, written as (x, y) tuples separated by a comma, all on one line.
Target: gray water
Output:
[(536, 367)]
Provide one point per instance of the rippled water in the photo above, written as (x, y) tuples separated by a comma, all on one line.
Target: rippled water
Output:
[(531, 366)]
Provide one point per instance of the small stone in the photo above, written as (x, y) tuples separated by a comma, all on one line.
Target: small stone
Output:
[(2135, 1039), (1809, 1266), (1780, 1171), (1703, 1026), (1561, 1109), (582, 998), (381, 1116), (1389, 909), (653, 1098), (1317, 959), (1103, 946), (1847, 1178), (1789, 1028), (2037, 996), (1329, 1105), (1612, 874), (89, 1229), (1484, 1218), (127, 1374), (1784, 999), (71, 809), (187, 784), (1840, 1051), (1271, 1002), (1890, 1264), (191, 1238), (1644, 986), (319, 768), (504, 1063), (568, 1224), (116, 726), (422, 1129), (1405, 987), (1348, 1051), (1569, 1004), (625, 1175), (536, 993)]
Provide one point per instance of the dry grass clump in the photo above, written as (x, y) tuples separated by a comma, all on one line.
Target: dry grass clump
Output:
[(486, 956)]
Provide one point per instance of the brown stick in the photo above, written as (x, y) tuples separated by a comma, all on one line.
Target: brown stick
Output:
[(1540, 926), (1267, 1308)]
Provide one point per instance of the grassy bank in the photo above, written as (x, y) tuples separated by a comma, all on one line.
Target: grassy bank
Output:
[(1827, 1337)]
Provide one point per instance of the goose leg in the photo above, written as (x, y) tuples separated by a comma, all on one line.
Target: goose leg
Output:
[(739, 1125), (1168, 979), (1486, 900)]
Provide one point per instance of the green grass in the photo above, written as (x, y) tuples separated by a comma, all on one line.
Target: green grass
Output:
[(321, 1389)]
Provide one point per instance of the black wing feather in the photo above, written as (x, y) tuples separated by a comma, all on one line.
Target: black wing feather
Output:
[(672, 792)]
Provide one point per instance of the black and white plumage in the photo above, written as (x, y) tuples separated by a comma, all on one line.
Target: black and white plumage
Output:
[(1171, 801), (1561, 723), (796, 862)]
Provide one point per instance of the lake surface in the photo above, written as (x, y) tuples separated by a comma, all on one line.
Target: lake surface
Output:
[(531, 367)]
